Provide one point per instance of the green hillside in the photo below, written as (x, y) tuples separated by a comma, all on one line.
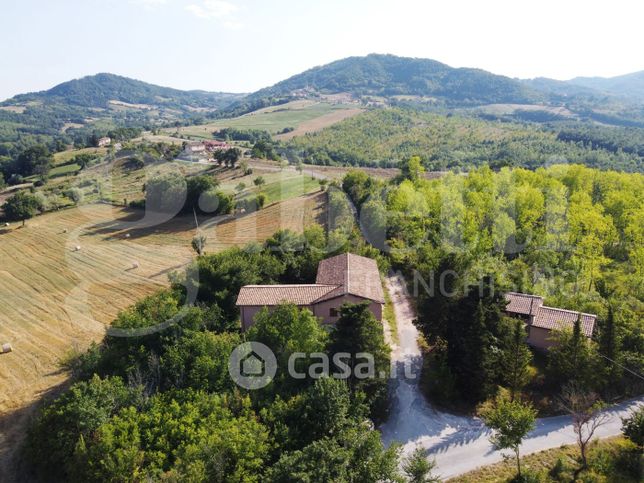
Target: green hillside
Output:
[(383, 137), (74, 110), (97, 90)]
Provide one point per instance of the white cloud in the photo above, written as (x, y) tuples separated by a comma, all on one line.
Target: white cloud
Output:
[(213, 9), (151, 3)]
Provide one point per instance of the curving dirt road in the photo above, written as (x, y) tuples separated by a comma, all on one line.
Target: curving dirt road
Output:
[(458, 443)]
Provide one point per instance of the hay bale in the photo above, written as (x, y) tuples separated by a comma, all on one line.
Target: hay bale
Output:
[(65, 230), (127, 235), (77, 248), (135, 264), (6, 348), (6, 224)]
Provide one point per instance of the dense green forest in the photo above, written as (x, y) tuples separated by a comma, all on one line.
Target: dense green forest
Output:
[(384, 137), (569, 233)]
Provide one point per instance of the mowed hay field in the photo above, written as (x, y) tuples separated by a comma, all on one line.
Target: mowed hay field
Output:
[(304, 116), (56, 299)]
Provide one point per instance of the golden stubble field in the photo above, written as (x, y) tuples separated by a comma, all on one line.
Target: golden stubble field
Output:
[(55, 298)]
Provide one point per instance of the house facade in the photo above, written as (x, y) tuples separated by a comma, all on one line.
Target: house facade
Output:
[(342, 279), (541, 321)]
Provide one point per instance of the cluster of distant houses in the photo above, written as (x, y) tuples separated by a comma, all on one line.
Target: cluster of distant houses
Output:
[(106, 141), (203, 150)]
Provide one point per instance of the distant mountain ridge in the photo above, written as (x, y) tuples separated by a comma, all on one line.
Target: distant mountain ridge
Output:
[(389, 75), (97, 90), (76, 109), (623, 85)]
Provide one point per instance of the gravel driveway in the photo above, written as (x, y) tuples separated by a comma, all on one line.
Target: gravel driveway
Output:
[(458, 443)]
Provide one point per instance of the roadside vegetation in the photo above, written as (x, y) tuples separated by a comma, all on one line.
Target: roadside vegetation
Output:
[(611, 460)]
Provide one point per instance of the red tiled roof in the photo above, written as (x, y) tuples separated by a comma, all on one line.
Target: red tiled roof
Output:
[(547, 317), (337, 276), (261, 295), (552, 318), (357, 275), (521, 303)]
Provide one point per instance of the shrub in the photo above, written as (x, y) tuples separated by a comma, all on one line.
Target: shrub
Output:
[(261, 200), (138, 204), (44, 203), (75, 194), (633, 427), (16, 179)]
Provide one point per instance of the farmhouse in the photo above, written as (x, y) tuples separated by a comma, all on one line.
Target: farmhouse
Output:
[(193, 148), (102, 142), (345, 278), (541, 320), (216, 145)]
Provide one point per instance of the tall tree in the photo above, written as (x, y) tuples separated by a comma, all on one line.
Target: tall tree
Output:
[(412, 168), (511, 421), (609, 347), (516, 359), (357, 331), (585, 409), (474, 338), (572, 358), (287, 330), (21, 206), (34, 160)]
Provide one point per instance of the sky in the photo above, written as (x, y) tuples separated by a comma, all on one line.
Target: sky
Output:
[(243, 45)]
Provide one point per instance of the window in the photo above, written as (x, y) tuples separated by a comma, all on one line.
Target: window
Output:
[(333, 312)]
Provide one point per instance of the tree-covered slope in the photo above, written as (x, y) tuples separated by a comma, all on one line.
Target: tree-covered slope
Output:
[(72, 111), (383, 137), (97, 90), (389, 75)]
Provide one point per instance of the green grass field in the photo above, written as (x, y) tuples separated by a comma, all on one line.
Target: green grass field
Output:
[(64, 170), (279, 186), (64, 156), (272, 119)]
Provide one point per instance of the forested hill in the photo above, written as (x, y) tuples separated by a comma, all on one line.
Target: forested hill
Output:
[(385, 137), (389, 75), (74, 111), (98, 90), (631, 85)]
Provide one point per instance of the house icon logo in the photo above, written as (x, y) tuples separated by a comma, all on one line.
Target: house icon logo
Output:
[(252, 365)]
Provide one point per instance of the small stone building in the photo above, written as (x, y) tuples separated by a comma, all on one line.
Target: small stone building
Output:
[(345, 278)]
